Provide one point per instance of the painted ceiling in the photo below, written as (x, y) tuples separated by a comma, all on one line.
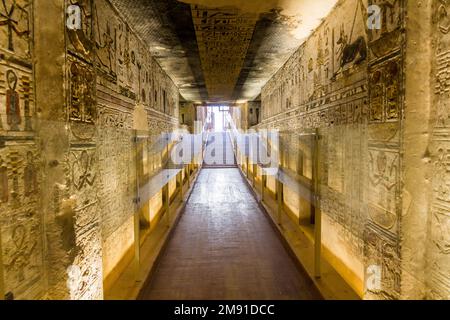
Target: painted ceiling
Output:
[(220, 51)]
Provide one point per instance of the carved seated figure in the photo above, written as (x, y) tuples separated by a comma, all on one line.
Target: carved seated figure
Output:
[(355, 52)]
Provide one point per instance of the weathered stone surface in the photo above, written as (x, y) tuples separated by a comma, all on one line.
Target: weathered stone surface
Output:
[(68, 165), (71, 100), (374, 187)]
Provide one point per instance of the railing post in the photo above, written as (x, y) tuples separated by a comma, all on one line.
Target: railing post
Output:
[(317, 212), (279, 193), (167, 203), (137, 212), (189, 175), (247, 167), (2, 280), (137, 245), (263, 182), (180, 183)]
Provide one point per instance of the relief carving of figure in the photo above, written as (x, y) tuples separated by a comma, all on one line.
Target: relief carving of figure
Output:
[(384, 172), (3, 182), (30, 179), (351, 51), (442, 239), (20, 253), (443, 17), (11, 16), (83, 104), (383, 182), (106, 46), (442, 175), (12, 102), (82, 174), (442, 112), (376, 96), (392, 90)]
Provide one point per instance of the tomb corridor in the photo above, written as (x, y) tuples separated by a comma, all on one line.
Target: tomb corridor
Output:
[(224, 150)]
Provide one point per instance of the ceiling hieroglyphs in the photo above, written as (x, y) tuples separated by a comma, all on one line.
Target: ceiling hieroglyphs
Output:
[(275, 29), (304, 15), (225, 29), (223, 37)]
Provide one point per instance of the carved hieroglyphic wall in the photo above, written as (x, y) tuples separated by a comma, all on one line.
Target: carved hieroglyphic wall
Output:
[(254, 113), (382, 245), (223, 37), (437, 273), (20, 215), (346, 80), (324, 85), (126, 75), (65, 212)]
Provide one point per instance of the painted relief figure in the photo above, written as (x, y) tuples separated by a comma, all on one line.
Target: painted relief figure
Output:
[(392, 74), (352, 51), (82, 171), (3, 182), (12, 102), (83, 107), (105, 40), (444, 20), (442, 237), (376, 95), (20, 253), (383, 171), (30, 181), (15, 18)]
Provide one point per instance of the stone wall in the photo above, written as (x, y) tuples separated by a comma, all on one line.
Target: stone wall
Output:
[(126, 75), (254, 113), (346, 81), (436, 153), (20, 178), (188, 115), (67, 157), (383, 123)]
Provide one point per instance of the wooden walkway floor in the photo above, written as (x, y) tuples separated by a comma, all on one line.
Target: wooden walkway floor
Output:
[(225, 248)]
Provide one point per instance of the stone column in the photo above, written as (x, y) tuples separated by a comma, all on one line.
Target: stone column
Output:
[(382, 243), (416, 162), (65, 93), (427, 232), (411, 123)]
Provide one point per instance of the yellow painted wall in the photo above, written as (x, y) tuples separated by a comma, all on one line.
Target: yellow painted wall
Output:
[(116, 246), (172, 186), (348, 264), (271, 183), (155, 205), (292, 201)]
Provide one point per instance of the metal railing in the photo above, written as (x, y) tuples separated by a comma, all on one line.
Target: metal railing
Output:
[(308, 189), (2, 277), (159, 181)]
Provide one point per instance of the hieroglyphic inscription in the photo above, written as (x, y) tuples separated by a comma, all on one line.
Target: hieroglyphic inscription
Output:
[(324, 85), (438, 280), (223, 37)]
